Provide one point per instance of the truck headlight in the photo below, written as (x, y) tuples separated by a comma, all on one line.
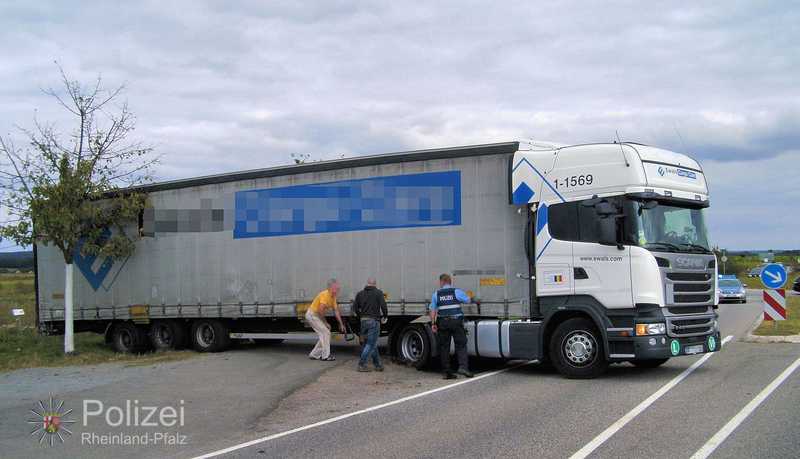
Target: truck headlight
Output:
[(651, 329)]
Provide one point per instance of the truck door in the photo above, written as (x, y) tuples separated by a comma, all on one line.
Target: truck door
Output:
[(553, 255), (601, 271)]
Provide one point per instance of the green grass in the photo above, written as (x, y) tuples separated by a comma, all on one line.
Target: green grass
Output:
[(741, 265), (21, 346), (790, 326), (16, 291)]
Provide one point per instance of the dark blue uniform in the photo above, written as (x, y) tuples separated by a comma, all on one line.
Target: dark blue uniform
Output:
[(447, 303)]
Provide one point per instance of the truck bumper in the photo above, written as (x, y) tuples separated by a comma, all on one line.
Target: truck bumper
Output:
[(661, 347)]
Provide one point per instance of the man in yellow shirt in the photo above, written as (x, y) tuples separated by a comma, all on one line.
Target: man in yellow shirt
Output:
[(315, 316)]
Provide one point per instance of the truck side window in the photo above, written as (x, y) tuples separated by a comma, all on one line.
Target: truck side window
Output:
[(563, 221), (572, 221), (587, 224)]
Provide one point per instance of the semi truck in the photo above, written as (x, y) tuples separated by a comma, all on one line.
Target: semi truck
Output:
[(576, 255)]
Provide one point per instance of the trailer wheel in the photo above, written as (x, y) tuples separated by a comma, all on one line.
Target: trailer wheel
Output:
[(649, 363), (127, 338), (414, 346), (210, 335), (167, 334), (576, 349)]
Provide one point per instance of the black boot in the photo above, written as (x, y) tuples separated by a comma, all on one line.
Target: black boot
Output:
[(465, 372)]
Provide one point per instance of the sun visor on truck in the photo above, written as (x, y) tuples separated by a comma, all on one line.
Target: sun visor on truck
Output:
[(668, 176)]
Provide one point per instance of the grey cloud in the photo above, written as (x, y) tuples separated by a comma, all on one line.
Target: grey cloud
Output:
[(222, 86)]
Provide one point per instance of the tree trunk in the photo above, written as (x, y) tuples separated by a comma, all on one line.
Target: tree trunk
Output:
[(69, 342)]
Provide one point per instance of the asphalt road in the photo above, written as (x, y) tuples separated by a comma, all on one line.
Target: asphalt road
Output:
[(527, 412), (221, 395), (313, 409)]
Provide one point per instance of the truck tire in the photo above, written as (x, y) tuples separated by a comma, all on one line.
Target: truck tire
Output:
[(576, 349), (167, 334), (649, 363), (127, 338), (210, 335), (414, 346)]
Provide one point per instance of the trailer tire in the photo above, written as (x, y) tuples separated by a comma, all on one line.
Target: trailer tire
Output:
[(210, 335), (127, 338), (576, 349), (649, 363), (167, 334), (414, 346)]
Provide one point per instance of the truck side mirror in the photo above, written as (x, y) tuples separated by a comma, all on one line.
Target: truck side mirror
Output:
[(607, 233), (605, 209), (608, 214)]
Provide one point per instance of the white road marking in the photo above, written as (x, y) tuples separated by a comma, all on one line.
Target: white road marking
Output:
[(359, 412), (638, 409), (719, 437)]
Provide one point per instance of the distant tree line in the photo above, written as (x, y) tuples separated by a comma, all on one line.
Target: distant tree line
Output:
[(16, 260)]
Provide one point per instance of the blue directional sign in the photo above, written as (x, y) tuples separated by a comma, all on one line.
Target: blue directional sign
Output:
[(773, 275)]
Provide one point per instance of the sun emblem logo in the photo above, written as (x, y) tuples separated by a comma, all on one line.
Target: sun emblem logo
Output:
[(51, 421)]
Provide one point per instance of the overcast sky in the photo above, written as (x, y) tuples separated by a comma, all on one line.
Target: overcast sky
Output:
[(225, 86)]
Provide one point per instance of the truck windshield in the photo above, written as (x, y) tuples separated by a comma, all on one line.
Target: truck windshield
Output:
[(729, 283), (664, 227)]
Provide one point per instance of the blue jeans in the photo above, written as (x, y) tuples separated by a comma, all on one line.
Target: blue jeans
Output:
[(371, 329)]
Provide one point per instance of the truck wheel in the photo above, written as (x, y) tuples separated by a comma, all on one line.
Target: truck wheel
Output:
[(127, 338), (167, 334), (576, 349), (210, 335), (414, 346), (649, 363)]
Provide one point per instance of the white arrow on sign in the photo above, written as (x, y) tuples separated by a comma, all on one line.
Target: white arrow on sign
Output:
[(775, 276)]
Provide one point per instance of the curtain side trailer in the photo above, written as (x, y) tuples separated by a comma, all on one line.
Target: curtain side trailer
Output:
[(570, 252)]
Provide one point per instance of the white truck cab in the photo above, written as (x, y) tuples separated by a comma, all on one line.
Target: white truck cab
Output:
[(620, 235)]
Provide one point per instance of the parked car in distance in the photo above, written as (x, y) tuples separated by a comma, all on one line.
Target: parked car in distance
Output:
[(731, 289), (755, 272)]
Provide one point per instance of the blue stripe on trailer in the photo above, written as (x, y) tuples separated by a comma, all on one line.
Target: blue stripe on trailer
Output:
[(400, 201)]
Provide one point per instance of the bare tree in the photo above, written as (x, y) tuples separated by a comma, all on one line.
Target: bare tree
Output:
[(73, 191)]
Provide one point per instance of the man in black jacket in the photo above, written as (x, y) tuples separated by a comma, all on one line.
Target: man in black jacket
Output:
[(370, 307)]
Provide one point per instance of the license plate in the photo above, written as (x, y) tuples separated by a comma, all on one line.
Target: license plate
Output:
[(693, 349)]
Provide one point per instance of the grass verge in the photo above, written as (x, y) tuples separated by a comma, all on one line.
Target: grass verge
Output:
[(790, 326), (23, 347)]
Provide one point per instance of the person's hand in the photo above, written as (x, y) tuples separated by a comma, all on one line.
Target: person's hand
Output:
[(435, 328), (342, 329)]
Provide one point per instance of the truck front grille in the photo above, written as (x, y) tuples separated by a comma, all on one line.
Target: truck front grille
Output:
[(688, 309), (689, 277), (696, 326), (679, 299), (688, 288)]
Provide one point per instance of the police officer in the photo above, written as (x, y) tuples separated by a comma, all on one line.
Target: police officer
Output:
[(447, 318)]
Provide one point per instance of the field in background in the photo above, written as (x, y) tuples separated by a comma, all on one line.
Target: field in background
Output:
[(16, 291), (740, 265), (21, 346)]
